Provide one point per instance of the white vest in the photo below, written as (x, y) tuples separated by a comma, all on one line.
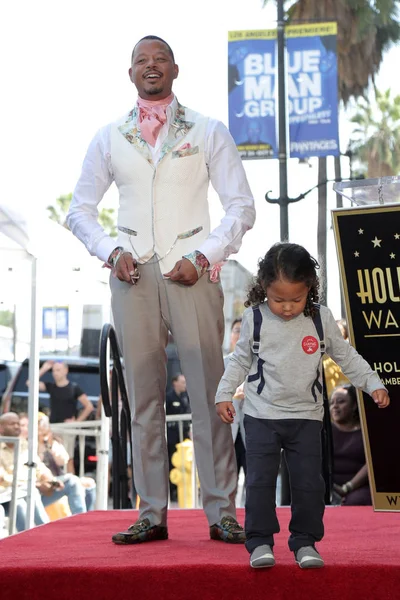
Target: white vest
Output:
[(161, 202)]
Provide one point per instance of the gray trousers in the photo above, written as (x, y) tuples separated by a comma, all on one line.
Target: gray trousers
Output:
[(143, 314)]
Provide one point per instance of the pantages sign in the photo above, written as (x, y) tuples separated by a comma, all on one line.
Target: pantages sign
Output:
[(368, 246)]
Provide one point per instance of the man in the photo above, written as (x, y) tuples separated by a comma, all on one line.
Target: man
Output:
[(176, 403), (10, 427), (65, 397), (162, 156), (49, 487)]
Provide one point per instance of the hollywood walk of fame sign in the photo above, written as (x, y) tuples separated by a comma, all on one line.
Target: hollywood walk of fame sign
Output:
[(368, 247)]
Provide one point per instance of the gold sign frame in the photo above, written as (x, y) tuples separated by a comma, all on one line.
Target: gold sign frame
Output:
[(370, 220)]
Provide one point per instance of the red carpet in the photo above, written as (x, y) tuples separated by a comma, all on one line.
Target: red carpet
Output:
[(74, 559)]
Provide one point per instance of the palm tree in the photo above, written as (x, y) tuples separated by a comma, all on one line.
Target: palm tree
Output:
[(59, 211), (366, 29), (376, 139)]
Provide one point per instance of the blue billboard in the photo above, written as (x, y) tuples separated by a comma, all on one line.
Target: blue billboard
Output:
[(311, 89)]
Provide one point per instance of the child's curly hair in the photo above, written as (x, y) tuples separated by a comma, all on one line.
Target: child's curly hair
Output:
[(286, 261)]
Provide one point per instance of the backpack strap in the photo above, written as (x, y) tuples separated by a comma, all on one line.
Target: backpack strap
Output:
[(320, 331), (327, 438), (74, 389), (257, 321)]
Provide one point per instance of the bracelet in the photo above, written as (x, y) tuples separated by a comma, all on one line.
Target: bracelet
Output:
[(199, 261), (347, 487), (115, 256)]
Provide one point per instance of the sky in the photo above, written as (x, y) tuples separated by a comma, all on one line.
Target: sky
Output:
[(64, 74)]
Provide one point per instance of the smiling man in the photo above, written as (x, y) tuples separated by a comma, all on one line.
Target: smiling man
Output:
[(162, 157)]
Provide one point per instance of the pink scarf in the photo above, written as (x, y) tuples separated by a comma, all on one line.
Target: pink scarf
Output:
[(152, 116)]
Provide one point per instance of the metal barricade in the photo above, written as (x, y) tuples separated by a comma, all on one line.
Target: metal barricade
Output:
[(83, 429)]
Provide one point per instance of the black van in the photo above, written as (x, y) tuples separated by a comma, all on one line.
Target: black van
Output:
[(5, 376)]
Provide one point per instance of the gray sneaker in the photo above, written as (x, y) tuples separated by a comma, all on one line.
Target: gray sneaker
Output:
[(262, 557), (308, 558)]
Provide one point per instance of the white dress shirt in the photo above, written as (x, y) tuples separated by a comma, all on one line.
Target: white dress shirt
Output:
[(227, 177)]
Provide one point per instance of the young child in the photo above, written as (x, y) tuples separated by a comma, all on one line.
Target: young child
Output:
[(279, 356)]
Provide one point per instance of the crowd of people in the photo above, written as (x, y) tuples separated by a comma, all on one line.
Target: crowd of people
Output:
[(55, 476)]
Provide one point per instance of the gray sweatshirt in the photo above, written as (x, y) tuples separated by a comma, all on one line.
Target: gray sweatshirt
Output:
[(291, 351)]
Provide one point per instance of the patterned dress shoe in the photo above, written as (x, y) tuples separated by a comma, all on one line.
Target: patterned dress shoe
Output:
[(141, 531), (228, 530)]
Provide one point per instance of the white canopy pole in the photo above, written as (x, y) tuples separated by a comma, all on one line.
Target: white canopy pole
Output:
[(33, 397), (102, 450), (102, 463)]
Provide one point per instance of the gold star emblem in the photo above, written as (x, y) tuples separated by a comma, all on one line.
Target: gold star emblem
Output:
[(376, 242), (356, 254), (361, 231), (397, 236), (392, 255)]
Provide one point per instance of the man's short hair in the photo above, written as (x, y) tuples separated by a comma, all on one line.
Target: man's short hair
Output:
[(154, 37), (176, 377)]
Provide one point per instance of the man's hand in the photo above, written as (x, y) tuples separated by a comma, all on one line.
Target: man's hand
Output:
[(48, 487), (184, 272), (381, 397), (226, 411), (46, 366), (125, 268)]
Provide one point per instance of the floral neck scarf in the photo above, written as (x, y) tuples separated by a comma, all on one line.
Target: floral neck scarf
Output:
[(152, 116)]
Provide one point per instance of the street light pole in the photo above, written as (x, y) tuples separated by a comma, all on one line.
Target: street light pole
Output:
[(283, 179), (283, 199)]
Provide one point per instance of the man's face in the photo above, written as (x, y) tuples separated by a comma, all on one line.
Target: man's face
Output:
[(153, 70), (180, 385), (10, 426), (59, 371)]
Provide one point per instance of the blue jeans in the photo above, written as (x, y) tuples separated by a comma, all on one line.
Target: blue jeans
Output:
[(74, 491), (90, 498), (40, 515)]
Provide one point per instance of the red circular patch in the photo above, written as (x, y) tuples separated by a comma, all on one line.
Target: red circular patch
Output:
[(310, 344)]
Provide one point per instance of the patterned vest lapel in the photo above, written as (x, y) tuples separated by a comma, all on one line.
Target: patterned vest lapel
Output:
[(178, 129), (131, 133)]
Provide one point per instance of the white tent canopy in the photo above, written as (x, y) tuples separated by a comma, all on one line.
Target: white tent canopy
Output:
[(30, 235), (51, 249)]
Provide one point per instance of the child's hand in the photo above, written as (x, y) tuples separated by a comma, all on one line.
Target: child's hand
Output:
[(226, 411), (381, 397)]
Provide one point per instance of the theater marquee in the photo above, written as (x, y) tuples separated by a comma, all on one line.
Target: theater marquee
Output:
[(368, 246)]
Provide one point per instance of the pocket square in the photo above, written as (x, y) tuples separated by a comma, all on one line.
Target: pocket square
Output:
[(185, 150)]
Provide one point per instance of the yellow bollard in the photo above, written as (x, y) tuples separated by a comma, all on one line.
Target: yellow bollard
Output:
[(181, 475)]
